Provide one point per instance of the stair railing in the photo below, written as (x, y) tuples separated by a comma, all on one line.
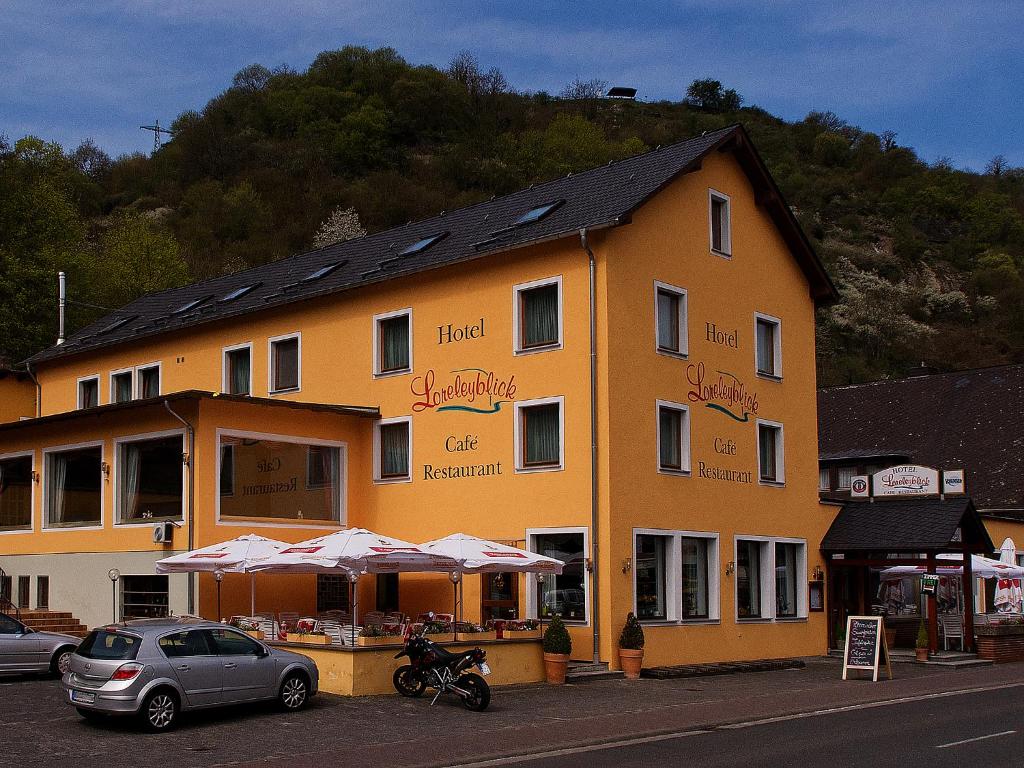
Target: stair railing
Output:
[(7, 606)]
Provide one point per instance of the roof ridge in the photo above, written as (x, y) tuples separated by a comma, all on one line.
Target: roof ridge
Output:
[(922, 377)]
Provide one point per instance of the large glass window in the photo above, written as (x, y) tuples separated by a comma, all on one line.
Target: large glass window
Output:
[(649, 567), (748, 579), (73, 487), (144, 597), (786, 559), (16, 493), (269, 480), (695, 577), (394, 342), (540, 435), (238, 371), (393, 450), (538, 311), (284, 364), (150, 474), (565, 594)]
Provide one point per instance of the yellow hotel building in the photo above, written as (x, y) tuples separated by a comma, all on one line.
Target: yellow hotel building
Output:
[(614, 368)]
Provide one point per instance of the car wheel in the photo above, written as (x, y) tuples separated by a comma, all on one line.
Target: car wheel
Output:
[(61, 661), (407, 682), (479, 692), (294, 692), (91, 715), (159, 711)]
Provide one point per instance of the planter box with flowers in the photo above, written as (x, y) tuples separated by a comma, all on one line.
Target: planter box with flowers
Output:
[(378, 634), (308, 638), (250, 626), (473, 633), (439, 632), (525, 629)]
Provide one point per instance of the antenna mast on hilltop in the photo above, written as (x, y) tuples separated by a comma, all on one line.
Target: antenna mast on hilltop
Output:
[(157, 130)]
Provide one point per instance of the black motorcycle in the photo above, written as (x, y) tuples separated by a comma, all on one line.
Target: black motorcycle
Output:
[(434, 667)]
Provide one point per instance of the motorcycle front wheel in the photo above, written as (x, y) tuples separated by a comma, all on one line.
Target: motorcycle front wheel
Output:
[(407, 682), (479, 692)]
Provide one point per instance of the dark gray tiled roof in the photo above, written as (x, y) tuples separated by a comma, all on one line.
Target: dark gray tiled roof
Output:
[(907, 526), (604, 196), (972, 420)]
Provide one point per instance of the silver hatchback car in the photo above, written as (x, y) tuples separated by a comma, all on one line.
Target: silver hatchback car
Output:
[(158, 668)]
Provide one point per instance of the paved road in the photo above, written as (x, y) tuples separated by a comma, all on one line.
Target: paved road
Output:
[(981, 729), (38, 729)]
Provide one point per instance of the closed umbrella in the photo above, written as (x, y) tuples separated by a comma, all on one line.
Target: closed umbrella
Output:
[(241, 555), (1014, 596)]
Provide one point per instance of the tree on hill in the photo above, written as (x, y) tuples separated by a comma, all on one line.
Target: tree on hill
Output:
[(712, 96)]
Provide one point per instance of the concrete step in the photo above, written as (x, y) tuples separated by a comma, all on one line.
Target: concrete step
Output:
[(721, 668), (582, 671)]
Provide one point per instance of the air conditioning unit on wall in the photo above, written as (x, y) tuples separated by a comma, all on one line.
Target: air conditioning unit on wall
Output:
[(163, 533)]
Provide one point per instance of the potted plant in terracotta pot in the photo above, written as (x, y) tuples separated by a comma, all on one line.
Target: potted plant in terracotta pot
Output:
[(557, 647), (921, 646), (631, 647)]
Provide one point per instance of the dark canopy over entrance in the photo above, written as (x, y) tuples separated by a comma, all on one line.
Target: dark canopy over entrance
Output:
[(883, 533)]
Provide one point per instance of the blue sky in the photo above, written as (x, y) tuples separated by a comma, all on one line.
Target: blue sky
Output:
[(947, 76)]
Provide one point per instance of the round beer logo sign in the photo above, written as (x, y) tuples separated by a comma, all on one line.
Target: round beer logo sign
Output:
[(860, 485)]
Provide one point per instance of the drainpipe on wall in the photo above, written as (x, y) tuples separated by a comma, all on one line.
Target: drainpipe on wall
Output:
[(39, 390), (593, 446), (191, 501)]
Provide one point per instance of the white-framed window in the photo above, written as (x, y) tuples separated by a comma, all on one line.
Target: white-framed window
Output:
[(673, 437), (392, 450), (670, 327), (539, 440), (771, 578), (17, 491), (236, 369), (567, 594), (844, 478), (147, 380), (675, 576), (285, 369), (720, 223), (266, 475), (122, 385), (537, 315), (89, 391), (768, 346), (73, 478), (771, 460), (149, 477), (392, 342), (824, 479)]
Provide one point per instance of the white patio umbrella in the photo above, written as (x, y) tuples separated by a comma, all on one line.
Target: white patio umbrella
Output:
[(952, 565), (475, 555), (1010, 596), (240, 555)]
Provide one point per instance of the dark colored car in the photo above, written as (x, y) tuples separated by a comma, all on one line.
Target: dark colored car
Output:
[(156, 669)]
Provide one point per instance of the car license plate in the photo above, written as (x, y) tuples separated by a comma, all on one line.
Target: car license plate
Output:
[(83, 698), (485, 669)]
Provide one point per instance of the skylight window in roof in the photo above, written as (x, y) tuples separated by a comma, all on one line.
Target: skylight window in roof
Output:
[(115, 325), (238, 293), (421, 245), (538, 213), (189, 305), (322, 272)]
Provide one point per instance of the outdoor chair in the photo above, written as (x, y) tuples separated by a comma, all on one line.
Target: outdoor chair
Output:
[(952, 629), (980, 619), (288, 619), (373, 617), (333, 630)]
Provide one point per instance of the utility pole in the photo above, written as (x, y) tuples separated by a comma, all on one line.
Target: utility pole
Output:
[(157, 130)]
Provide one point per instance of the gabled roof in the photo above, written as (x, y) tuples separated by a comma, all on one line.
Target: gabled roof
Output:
[(970, 420), (907, 526), (602, 197)]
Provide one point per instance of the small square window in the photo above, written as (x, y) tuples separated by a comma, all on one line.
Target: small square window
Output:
[(149, 381), (769, 453), (670, 310), (238, 370), (844, 478), (538, 315), (393, 353), (673, 437), (121, 387), (768, 347), (393, 450), (824, 479), (721, 224), (539, 434), (284, 364), (89, 392)]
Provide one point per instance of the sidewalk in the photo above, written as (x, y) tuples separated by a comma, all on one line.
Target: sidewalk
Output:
[(390, 731)]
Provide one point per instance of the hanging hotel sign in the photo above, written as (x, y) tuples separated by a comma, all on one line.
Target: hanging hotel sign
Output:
[(953, 482), (906, 480), (726, 394), (473, 390)]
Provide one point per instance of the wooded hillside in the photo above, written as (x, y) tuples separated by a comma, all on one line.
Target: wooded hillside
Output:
[(929, 259)]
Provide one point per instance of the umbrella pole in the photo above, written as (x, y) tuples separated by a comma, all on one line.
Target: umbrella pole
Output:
[(967, 586), (252, 594)]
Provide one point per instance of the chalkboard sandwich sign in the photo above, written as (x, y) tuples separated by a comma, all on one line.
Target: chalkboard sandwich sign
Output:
[(865, 646)]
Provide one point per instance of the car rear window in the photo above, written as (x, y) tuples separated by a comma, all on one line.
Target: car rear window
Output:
[(114, 646)]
